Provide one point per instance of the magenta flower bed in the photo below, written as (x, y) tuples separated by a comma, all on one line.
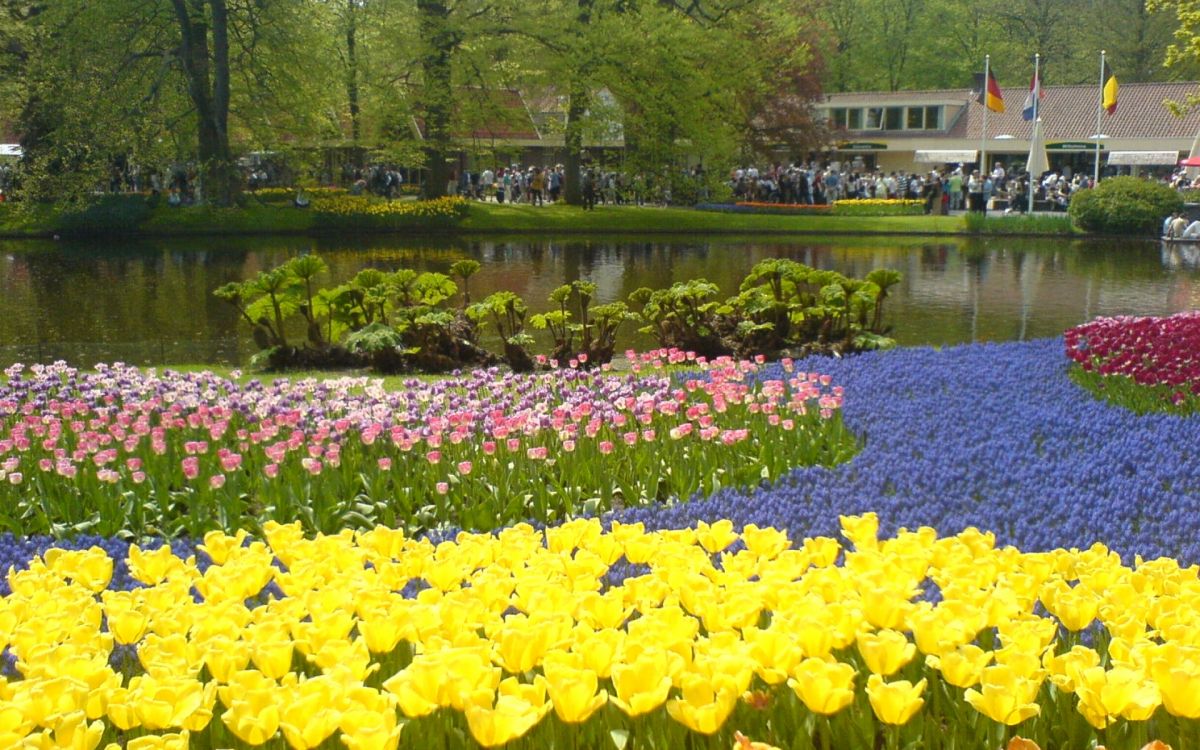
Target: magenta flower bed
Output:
[(126, 450), (1151, 351)]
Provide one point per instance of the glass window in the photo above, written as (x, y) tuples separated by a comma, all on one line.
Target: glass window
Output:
[(894, 118), (933, 118), (916, 118), (854, 119), (837, 117), (874, 118)]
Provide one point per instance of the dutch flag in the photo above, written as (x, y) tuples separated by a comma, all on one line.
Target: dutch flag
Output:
[(1033, 99)]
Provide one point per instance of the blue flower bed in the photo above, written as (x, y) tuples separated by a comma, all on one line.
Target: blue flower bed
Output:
[(988, 435)]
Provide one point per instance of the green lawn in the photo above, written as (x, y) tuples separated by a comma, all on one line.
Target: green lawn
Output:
[(127, 215), (491, 217)]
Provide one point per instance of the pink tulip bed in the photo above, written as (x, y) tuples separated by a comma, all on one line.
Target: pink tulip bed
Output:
[(128, 451), (1146, 364)]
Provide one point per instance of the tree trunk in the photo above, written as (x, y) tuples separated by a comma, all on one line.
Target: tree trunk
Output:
[(437, 103), (207, 74), (352, 70), (577, 105), (573, 143)]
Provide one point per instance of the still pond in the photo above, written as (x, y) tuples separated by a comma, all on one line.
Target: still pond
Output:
[(151, 302)]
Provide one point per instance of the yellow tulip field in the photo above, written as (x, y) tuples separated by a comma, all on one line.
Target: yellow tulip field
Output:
[(602, 636)]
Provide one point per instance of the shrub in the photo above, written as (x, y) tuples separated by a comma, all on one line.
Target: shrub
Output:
[(108, 214), (1124, 205), (978, 223)]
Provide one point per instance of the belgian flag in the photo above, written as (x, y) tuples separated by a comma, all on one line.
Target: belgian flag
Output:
[(989, 92), (1108, 90)]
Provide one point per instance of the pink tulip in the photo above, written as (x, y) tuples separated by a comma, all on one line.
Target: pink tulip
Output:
[(443, 488), (605, 447), (191, 467), (216, 481), (385, 464), (464, 467), (271, 470), (433, 457)]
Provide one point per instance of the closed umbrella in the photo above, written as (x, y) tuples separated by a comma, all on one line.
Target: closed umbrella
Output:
[(1037, 163)]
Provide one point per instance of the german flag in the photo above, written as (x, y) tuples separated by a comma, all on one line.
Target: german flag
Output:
[(989, 92), (1108, 90)]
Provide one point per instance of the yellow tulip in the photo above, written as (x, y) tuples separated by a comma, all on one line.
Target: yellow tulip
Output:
[(253, 717), (702, 707), (1176, 671), (1065, 669), (599, 648), (766, 544), (417, 687), (218, 545), (885, 651), (775, 652), (894, 702), (152, 568), (572, 688), (308, 716), (862, 531), (71, 731), (826, 687), (715, 537), (370, 730), (1105, 695), (179, 741), (642, 685), (517, 709), (962, 667), (1007, 696)]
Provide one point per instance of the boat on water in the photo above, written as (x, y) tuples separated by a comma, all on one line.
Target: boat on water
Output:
[(1180, 240)]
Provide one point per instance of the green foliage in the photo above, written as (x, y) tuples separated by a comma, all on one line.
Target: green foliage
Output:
[(978, 223), (782, 306), (373, 339), (106, 215), (1124, 205), (1124, 391)]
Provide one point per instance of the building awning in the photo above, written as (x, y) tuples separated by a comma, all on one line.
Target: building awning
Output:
[(946, 157), (1144, 158)]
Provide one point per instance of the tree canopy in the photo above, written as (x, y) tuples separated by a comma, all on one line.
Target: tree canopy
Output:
[(94, 86)]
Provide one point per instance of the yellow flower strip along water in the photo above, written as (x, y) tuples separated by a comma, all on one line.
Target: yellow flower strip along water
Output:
[(587, 636)]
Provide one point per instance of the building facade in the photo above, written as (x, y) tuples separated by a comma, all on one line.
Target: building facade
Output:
[(914, 130)]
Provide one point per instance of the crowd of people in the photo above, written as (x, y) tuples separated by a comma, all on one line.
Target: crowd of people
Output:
[(536, 185), (951, 188)]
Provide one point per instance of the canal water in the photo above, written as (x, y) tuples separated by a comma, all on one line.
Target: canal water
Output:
[(151, 301)]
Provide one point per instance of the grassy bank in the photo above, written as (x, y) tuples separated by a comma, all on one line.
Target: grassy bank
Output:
[(489, 217), (132, 215)]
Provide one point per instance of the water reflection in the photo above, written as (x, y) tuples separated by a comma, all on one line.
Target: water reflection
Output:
[(152, 301)]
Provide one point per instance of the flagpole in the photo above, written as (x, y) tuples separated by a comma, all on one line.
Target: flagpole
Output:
[(987, 80), (1099, 110), (1033, 133)]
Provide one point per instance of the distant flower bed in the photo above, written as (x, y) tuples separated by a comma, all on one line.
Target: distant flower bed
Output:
[(586, 636), (287, 194), (361, 211), (144, 453), (762, 207), (879, 207), (1146, 363)]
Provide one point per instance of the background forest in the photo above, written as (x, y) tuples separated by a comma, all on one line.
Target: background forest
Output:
[(88, 85)]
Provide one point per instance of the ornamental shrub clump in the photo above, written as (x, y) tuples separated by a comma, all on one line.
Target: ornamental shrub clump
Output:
[(1124, 205)]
